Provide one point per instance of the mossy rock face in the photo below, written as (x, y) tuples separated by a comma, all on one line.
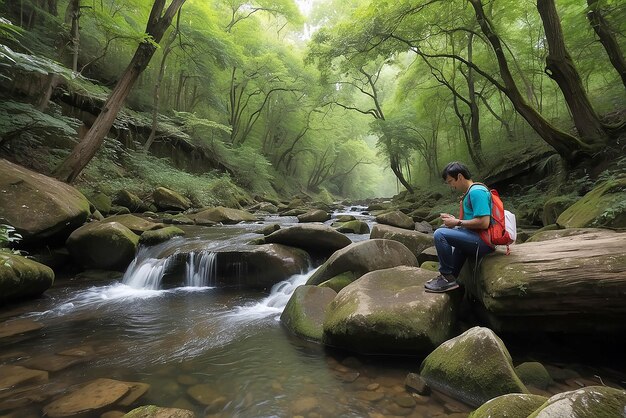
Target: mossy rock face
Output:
[(413, 240), (430, 265), (102, 202), (339, 282), (534, 374), (129, 200), (103, 245), (166, 199), (397, 219), (588, 402), (134, 223), (153, 411), (41, 209), (306, 309), (160, 235), (513, 405), (388, 312), (316, 215), (554, 207), (22, 278), (429, 254), (604, 206), (224, 215), (363, 257), (268, 207), (354, 227), (473, 367), (555, 233), (345, 218), (321, 239)]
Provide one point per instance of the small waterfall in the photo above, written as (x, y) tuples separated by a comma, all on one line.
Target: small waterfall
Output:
[(145, 273), (201, 269)]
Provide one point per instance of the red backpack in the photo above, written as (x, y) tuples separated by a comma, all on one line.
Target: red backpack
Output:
[(502, 227)]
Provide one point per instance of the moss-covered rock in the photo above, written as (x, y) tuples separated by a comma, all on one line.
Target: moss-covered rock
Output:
[(353, 227), (534, 374), (315, 215), (604, 206), (160, 235), (473, 367), (512, 405), (397, 219), (430, 265), (268, 229), (363, 257), (345, 218), (588, 402), (552, 208), (166, 199), (103, 245), (339, 282), (134, 223), (153, 411), (40, 208), (429, 254), (22, 278), (305, 311), (388, 312), (320, 239), (102, 202), (129, 200), (413, 240), (555, 233), (223, 215)]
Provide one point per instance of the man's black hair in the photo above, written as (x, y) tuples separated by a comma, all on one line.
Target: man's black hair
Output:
[(453, 170)]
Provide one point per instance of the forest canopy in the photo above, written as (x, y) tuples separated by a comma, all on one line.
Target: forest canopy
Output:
[(354, 98)]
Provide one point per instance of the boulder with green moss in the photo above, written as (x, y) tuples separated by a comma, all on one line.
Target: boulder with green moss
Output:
[(315, 215), (339, 282), (473, 368), (554, 207), (153, 411), (22, 278), (305, 311), (102, 202), (588, 402), (604, 206), (40, 208), (103, 245), (129, 200), (573, 283), (554, 233), (388, 312), (160, 235), (362, 257), (353, 227), (134, 223), (534, 374), (166, 199), (413, 240), (223, 215), (397, 219), (320, 239), (512, 405)]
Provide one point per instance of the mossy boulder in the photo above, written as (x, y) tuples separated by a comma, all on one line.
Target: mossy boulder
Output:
[(103, 245), (160, 235), (512, 405), (430, 265), (267, 207), (102, 202), (320, 239), (134, 223), (345, 218), (363, 257), (429, 254), (306, 309), (339, 282), (41, 209), (534, 374), (353, 227), (553, 207), (588, 402), (22, 278), (396, 218), (268, 229), (130, 201), (166, 199), (413, 240), (388, 312), (153, 411), (473, 368), (604, 206), (569, 284), (556, 233), (223, 215), (315, 215)]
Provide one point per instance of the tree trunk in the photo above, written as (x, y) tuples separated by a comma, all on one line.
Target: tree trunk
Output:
[(607, 38), (568, 146), (473, 105), (560, 67), (84, 151), (72, 17)]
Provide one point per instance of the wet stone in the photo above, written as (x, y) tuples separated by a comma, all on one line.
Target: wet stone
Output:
[(369, 396), (113, 414), (217, 405), (352, 362), (304, 405), (415, 383), (187, 380), (82, 351), (11, 376), (18, 327), (98, 394), (152, 411), (347, 377), (52, 362), (137, 390), (204, 394), (397, 410), (405, 401), (373, 386)]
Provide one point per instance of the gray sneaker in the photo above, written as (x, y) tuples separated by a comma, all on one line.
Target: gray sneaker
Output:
[(441, 284)]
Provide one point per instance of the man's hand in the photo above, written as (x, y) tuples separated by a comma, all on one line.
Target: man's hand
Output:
[(448, 220)]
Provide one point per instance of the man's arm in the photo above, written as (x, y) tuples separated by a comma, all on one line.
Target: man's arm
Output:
[(480, 222)]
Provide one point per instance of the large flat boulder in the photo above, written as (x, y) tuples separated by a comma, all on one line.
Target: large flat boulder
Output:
[(388, 312), (573, 283), (362, 257), (413, 240), (601, 207), (397, 219), (40, 208), (223, 215), (320, 239), (22, 278)]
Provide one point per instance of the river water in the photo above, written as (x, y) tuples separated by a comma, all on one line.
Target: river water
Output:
[(225, 342)]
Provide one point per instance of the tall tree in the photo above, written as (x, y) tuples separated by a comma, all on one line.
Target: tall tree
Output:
[(158, 22)]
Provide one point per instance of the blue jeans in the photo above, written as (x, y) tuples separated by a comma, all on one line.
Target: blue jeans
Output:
[(455, 245)]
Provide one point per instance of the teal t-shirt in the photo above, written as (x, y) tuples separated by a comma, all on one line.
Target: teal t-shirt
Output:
[(481, 202)]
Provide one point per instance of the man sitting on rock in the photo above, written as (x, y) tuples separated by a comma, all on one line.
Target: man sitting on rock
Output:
[(459, 239)]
